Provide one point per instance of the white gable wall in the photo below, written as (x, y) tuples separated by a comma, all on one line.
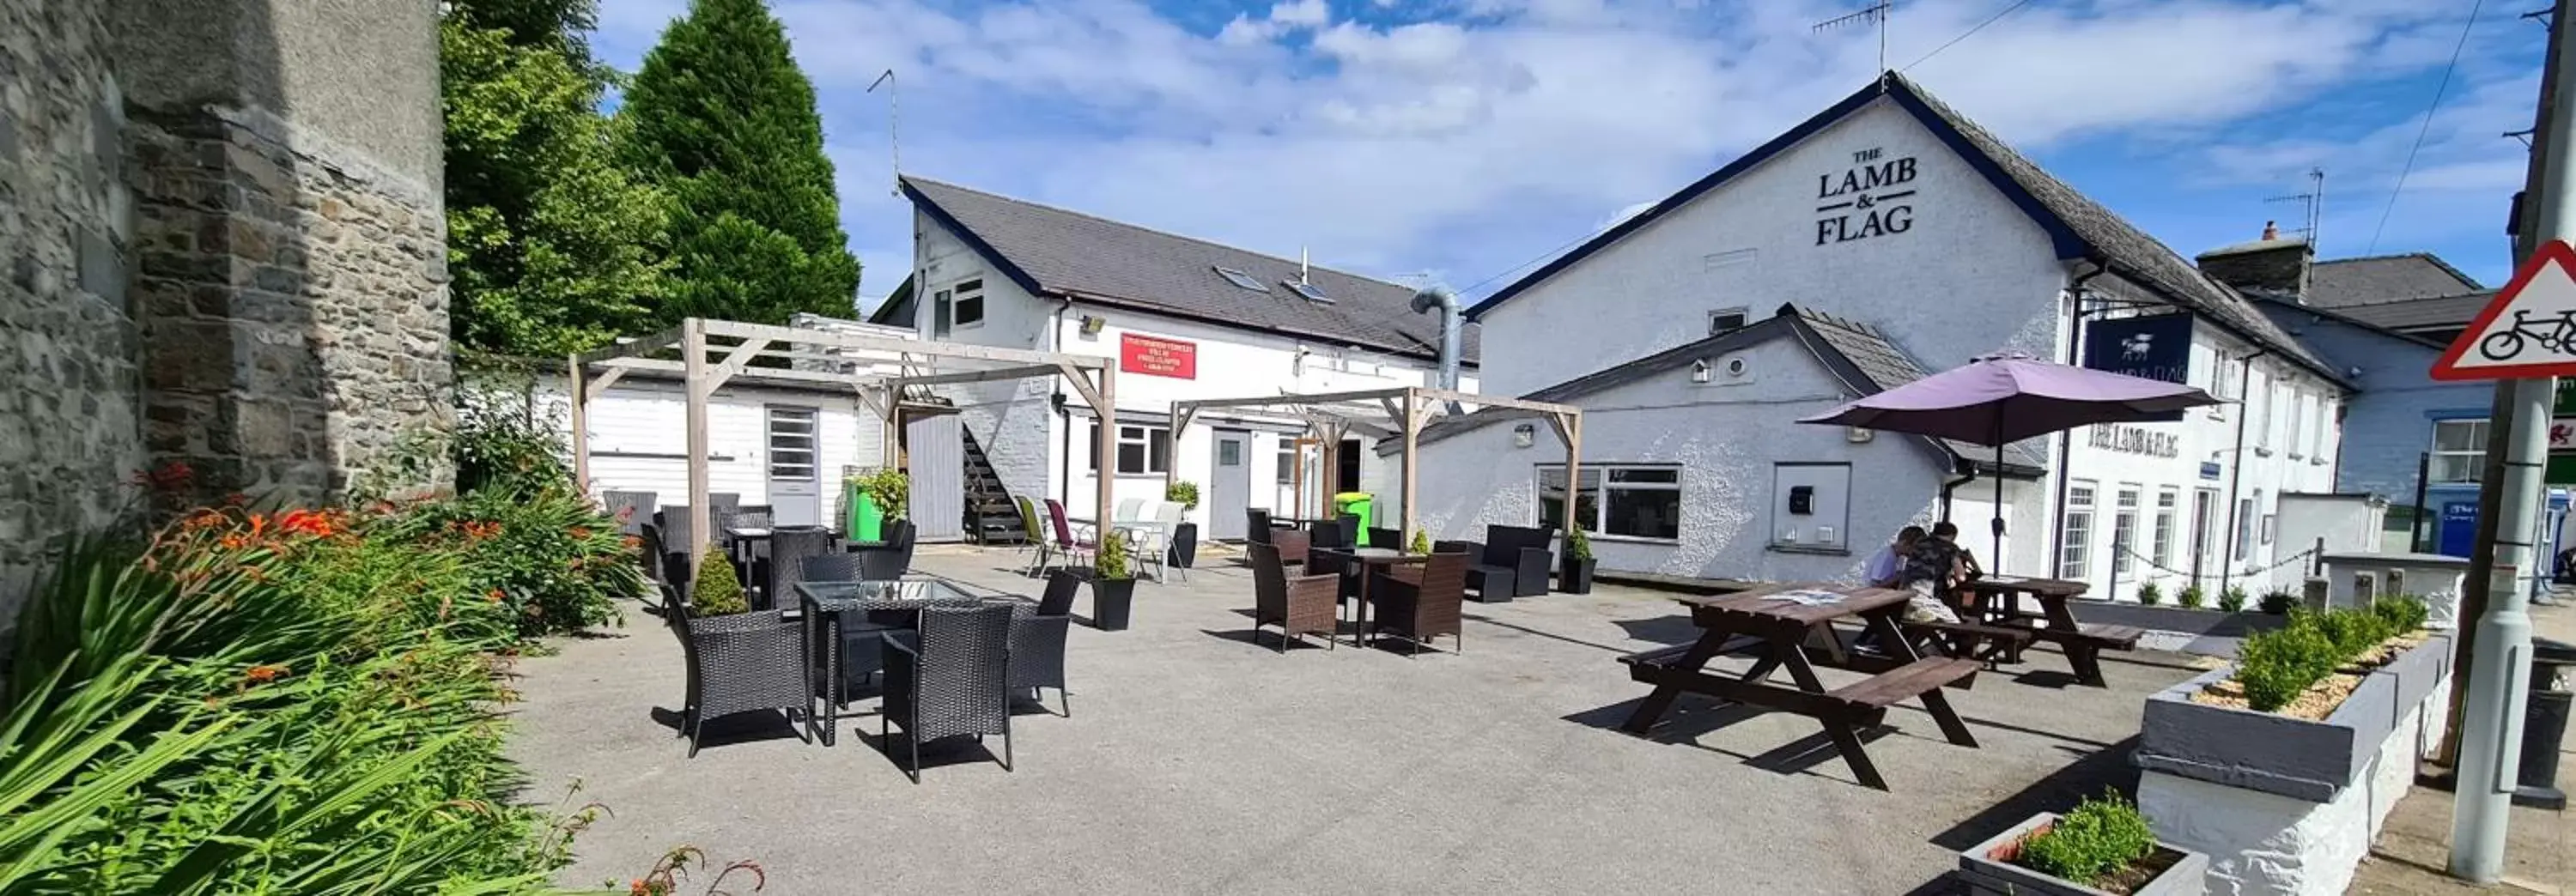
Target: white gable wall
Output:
[(1970, 275)]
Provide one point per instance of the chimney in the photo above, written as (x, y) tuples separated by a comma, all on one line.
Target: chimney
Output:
[(2271, 267)]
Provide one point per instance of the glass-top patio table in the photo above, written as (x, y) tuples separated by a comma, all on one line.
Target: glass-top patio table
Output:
[(888, 606)]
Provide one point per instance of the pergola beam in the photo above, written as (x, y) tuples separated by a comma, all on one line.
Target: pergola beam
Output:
[(893, 346), (654, 342), (976, 376)]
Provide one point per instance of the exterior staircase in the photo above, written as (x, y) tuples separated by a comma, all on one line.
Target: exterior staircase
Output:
[(992, 518)]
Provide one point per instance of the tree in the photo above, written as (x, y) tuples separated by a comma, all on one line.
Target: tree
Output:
[(549, 239), (721, 118)]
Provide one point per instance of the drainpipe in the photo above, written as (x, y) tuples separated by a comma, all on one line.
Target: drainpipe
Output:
[(1967, 474), (2066, 439), (1439, 297), (2236, 472)]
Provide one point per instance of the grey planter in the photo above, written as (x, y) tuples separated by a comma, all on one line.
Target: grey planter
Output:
[(2296, 758), (1987, 877)]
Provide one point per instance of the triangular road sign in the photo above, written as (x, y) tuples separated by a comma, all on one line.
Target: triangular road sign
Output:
[(2528, 330)]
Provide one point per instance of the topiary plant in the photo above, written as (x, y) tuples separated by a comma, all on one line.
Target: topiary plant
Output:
[(2150, 595), (716, 591), (1421, 542), (1578, 544), (2275, 667), (1111, 562), (2101, 837), (2404, 613), (2194, 598), (1184, 493)]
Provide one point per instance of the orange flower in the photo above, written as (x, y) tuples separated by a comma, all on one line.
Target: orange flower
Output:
[(637, 888), (634, 543), (305, 522), (258, 524), (234, 541), (580, 534), (494, 596), (263, 674)]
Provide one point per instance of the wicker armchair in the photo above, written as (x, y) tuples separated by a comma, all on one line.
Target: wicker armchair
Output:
[(1392, 539), (648, 552), (1512, 561), (862, 648), (1298, 606), (1038, 634), (788, 549), (1256, 528), (632, 509), (746, 516), (1292, 544), (723, 501), (950, 678), (743, 662), (1420, 610)]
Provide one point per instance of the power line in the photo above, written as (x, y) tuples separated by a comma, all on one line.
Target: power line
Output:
[(1980, 26), (2427, 129), (1543, 256)]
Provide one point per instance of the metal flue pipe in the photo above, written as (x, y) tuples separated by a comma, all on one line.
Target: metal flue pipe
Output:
[(1436, 297)]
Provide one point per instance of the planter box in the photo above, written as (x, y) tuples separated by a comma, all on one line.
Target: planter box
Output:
[(2277, 754), (2286, 805), (1111, 599), (1985, 875)]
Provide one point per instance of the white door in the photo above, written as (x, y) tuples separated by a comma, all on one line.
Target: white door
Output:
[(1229, 485), (795, 486)]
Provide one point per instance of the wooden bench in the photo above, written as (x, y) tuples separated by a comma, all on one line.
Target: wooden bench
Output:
[(1908, 681), (1985, 643), (1648, 665), (1865, 704), (2084, 645)]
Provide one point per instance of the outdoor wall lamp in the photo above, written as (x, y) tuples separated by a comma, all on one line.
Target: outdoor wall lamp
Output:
[(1524, 435), (1092, 324)]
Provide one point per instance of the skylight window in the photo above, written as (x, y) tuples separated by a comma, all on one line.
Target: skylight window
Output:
[(1241, 279), (1312, 292)]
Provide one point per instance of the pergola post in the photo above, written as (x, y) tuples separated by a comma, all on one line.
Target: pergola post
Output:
[(1105, 479), (580, 393), (1411, 429), (696, 388)]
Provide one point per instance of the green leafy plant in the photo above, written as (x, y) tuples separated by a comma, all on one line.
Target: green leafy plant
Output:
[(2275, 667), (2278, 601), (2101, 837), (2403, 613), (1421, 542), (2350, 631), (2193, 597), (1578, 543), (889, 488), (504, 441), (2232, 600), (2150, 595), (716, 591), (1111, 561), (1184, 493), (556, 561)]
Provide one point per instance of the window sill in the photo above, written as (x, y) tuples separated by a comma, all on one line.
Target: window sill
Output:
[(1809, 549), (1096, 474), (1633, 539), (2262, 452)]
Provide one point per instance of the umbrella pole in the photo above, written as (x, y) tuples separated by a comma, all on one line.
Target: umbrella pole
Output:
[(1995, 560)]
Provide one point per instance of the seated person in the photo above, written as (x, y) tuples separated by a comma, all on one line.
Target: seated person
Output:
[(1932, 569), (1889, 562)]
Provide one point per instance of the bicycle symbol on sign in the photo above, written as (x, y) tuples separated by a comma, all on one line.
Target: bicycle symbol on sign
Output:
[(2555, 333)]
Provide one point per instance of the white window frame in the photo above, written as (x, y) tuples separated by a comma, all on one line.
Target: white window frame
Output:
[(941, 311), (1288, 460), (2298, 423), (2472, 460), (2075, 556), (2243, 546), (1602, 485), (1142, 435), (2168, 510), (2124, 528), (971, 289)]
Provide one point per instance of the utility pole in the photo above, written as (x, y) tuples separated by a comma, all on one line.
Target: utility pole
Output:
[(2495, 610)]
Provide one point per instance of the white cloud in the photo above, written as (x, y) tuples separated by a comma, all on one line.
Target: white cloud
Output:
[(1495, 129)]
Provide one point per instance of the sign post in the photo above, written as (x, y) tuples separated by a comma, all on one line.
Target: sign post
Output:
[(2524, 339)]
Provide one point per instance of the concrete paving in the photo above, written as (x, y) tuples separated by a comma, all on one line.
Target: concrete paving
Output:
[(1196, 762)]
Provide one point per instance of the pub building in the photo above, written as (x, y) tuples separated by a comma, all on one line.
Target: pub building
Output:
[(1884, 238)]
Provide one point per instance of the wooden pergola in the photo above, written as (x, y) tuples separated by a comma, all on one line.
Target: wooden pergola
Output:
[(707, 353), (1393, 413)]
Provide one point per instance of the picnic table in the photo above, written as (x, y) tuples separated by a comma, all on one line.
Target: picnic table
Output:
[(1371, 560), (1999, 602), (1776, 623)]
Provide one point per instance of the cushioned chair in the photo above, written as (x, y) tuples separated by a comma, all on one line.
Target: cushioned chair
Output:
[(1299, 606), (950, 678), (1422, 607), (743, 662), (1038, 634), (1512, 561), (1386, 538)]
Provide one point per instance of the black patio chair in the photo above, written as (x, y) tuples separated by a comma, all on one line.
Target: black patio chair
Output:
[(862, 653), (632, 509), (1391, 539), (788, 549), (1038, 634), (1256, 528), (648, 552), (722, 501), (743, 662), (1419, 608), (1512, 561), (951, 678)]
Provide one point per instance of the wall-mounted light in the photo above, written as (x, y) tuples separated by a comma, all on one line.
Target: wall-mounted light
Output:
[(1092, 324), (1524, 435), (1699, 371), (1859, 435)]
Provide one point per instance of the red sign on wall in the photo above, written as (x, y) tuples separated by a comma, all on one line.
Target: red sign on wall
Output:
[(1159, 357)]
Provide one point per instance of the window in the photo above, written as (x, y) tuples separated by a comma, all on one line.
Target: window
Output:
[(791, 443), (1724, 319), (1634, 501), (2298, 422), (2075, 558), (1287, 461), (2124, 530), (2228, 378), (2263, 415), (1241, 279), (969, 303), (2459, 450), (1142, 450), (941, 309), (2323, 425), (2162, 548), (1312, 292), (2244, 529)]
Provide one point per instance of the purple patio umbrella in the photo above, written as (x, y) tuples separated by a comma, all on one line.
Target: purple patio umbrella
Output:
[(2001, 399)]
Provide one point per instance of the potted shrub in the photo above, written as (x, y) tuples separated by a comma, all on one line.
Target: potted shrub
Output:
[(2194, 598), (1574, 573), (2232, 600), (891, 490), (1113, 585), (716, 591), (2150, 595), (2104, 846), (1185, 537), (1421, 543), (2278, 601)]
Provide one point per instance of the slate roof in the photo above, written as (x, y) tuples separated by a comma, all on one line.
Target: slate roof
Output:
[(2418, 315), (1860, 355), (1056, 252), (2078, 226), (2384, 278)]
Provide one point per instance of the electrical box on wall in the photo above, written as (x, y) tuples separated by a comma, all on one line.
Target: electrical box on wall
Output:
[(1811, 507), (1802, 499)]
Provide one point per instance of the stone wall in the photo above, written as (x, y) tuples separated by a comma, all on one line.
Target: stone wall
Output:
[(68, 390), (293, 301)]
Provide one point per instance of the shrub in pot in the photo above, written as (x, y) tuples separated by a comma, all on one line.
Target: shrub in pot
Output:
[(1185, 537), (2194, 598), (1574, 573), (1113, 585), (2150, 595), (1421, 543), (2103, 846), (2278, 601), (717, 591), (2232, 600)]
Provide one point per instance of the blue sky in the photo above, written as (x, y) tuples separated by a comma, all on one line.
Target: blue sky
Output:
[(1467, 140)]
